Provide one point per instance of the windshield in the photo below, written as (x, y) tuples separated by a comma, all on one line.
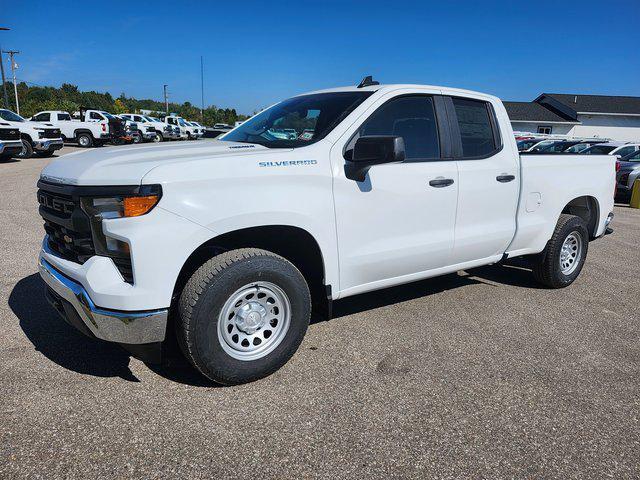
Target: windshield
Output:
[(297, 121), (182, 122), (599, 150), (634, 157), (153, 119), (526, 144), (577, 148), (9, 116)]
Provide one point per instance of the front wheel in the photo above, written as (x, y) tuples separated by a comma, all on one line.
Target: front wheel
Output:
[(137, 137), (562, 260), (27, 150), (242, 315), (158, 138), (46, 153)]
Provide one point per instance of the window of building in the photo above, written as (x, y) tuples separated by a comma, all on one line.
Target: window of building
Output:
[(544, 129)]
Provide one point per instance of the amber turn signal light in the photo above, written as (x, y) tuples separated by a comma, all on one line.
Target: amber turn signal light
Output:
[(136, 206)]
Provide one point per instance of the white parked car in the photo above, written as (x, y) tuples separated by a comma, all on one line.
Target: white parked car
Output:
[(156, 130), (197, 130), (238, 239), (43, 139), (620, 149)]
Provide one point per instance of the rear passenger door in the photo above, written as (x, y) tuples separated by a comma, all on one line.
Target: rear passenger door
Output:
[(489, 182)]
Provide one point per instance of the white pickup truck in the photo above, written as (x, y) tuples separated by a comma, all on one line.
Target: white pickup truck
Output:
[(43, 139), (10, 142), (91, 128), (229, 244), (160, 131)]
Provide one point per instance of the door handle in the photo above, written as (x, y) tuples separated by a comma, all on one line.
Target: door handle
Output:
[(505, 178), (441, 182)]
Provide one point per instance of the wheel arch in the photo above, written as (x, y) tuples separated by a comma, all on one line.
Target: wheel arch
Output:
[(291, 242), (586, 207), (78, 131)]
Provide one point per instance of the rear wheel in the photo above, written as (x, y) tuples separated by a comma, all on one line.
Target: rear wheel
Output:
[(27, 149), (84, 140), (242, 315), (562, 260)]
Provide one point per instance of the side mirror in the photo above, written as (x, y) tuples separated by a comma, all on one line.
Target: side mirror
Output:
[(373, 150)]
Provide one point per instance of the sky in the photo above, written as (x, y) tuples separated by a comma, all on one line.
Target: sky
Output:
[(256, 53)]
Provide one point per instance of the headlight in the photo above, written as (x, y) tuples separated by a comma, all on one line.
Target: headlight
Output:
[(139, 201)]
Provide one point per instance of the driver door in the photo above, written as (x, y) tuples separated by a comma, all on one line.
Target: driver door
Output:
[(398, 223)]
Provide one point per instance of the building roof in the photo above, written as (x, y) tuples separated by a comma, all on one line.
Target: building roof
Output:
[(596, 103), (533, 112)]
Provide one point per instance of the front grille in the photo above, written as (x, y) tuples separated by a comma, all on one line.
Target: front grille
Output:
[(68, 244), (51, 133), (9, 134), (69, 228)]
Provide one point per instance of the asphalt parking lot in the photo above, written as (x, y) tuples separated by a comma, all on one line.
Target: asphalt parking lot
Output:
[(480, 374)]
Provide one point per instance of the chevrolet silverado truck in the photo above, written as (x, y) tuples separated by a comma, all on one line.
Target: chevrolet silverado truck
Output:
[(41, 139), (227, 245), (91, 130), (10, 142), (156, 131)]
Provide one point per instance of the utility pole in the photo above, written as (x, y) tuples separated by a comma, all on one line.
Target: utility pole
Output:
[(201, 89), (14, 65), (166, 101), (4, 86)]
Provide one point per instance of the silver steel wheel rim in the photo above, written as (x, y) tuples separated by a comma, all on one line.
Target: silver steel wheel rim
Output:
[(570, 253), (254, 321), (84, 141)]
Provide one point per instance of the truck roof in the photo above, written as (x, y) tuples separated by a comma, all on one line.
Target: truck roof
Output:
[(399, 86)]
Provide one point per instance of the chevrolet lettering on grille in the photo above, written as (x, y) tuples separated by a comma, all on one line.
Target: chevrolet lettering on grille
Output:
[(57, 204)]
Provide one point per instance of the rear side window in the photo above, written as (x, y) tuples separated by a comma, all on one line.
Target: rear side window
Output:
[(43, 117), (475, 125), (65, 117), (414, 119), (95, 116)]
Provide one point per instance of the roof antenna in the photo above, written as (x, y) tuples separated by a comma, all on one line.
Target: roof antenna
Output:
[(367, 82)]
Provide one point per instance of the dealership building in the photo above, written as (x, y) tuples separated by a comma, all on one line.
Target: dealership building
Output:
[(617, 118)]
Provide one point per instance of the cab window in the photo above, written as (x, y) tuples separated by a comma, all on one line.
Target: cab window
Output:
[(476, 128), (411, 117), (42, 117)]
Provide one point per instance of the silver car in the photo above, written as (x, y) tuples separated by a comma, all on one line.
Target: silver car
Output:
[(625, 177)]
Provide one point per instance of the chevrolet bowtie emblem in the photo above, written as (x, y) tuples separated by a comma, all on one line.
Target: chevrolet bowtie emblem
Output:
[(67, 239)]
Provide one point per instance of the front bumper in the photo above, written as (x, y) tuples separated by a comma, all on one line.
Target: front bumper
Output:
[(111, 325), (10, 147), (48, 145)]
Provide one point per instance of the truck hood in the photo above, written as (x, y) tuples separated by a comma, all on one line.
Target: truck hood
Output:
[(128, 165)]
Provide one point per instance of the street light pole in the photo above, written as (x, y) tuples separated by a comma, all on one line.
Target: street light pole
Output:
[(201, 89), (11, 54), (4, 86), (166, 101)]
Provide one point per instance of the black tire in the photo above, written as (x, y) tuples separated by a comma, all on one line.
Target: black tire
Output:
[(46, 153), (547, 268), (137, 137), (27, 149), (211, 287), (85, 140), (158, 138), (5, 157)]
